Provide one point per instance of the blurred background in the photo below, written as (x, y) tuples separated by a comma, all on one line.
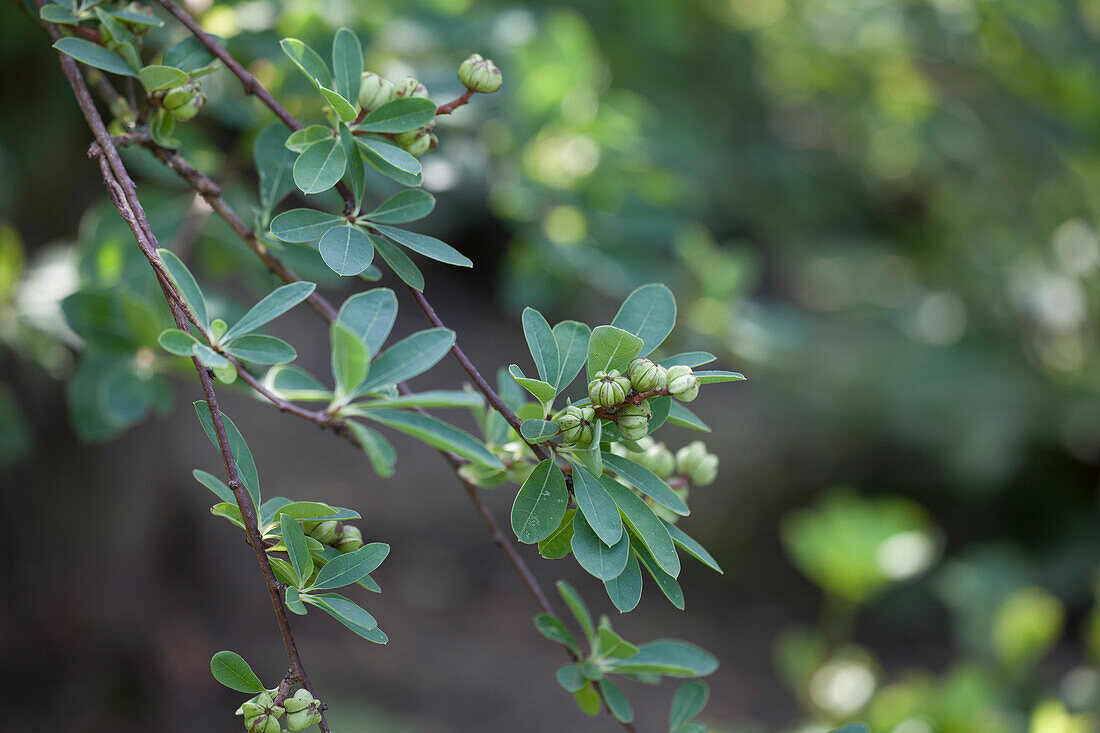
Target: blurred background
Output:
[(883, 212)]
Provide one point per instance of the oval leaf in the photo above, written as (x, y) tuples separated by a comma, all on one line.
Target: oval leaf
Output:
[(540, 503), (346, 250)]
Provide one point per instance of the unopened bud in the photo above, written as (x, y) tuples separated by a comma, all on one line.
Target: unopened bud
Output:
[(409, 87), (415, 142), (261, 714), (658, 459), (480, 74), (694, 462), (608, 388), (646, 376), (633, 421), (374, 91), (302, 710), (324, 532), (576, 424), (349, 538), (184, 102), (682, 383)]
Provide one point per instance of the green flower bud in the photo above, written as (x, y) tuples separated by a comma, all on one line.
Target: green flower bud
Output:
[(302, 710), (349, 539), (480, 74), (261, 714), (694, 462), (250, 710), (415, 142), (633, 421), (409, 87), (658, 459), (608, 388), (576, 424), (324, 532), (263, 723), (374, 91), (645, 375), (184, 102), (682, 383)]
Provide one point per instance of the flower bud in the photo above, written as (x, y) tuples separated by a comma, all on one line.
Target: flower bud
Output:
[(409, 87), (184, 102), (645, 375), (682, 383), (374, 91), (349, 538), (658, 459), (415, 142), (576, 424), (324, 532), (480, 74), (263, 723), (261, 714), (608, 388), (302, 710), (694, 462), (633, 421)]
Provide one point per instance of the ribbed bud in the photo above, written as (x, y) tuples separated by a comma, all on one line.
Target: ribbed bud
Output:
[(374, 91), (608, 388), (302, 710), (349, 539), (694, 462), (415, 142), (480, 74), (184, 102), (658, 459), (324, 532), (645, 375), (633, 421), (682, 383), (576, 424), (409, 87)]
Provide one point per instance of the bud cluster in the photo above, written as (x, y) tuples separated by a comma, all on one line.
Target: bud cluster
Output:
[(261, 714), (375, 91)]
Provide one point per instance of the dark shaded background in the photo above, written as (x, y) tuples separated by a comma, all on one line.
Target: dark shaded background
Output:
[(881, 211)]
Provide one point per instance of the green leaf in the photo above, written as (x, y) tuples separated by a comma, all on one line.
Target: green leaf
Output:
[(274, 165), (691, 547), (437, 434), (301, 139), (540, 503), (611, 644), (588, 700), (381, 454), (296, 384), (308, 61), (57, 14), (557, 545), (594, 556), (399, 115), (590, 456), (427, 400), (242, 456), (344, 109), (347, 64), (303, 225), (321, 166), (177, 342), (688, 702), (409, 357), (625, 591), (571, 338), (645, 524), (346, 250), (616, 701), (398, 261), (131, 17), (349, 614), (669, 657), (660, 406), (276, 303), (427, 246), (553, 629), (685, 418), (668, 585), (538, 431), (208, 357), (853, 728), (161, 77), (350, 360), (260, 349), (391, 161), (296, 547), (185, 282), (689, 358), (308, 510), (570, 677), (542, 345), (403, 207), (647, 482), (713, 377), (649, 313), (540, 390), (351, 567), (356, 174), (95, 55), (161, 129), (371, 316), (230, 511), (294, 601), (580, 611), (190, 55), (230, 669), (216, 485), (597, 506), (611, 348)]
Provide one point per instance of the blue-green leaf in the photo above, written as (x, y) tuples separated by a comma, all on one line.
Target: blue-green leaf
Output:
[(576, 605), (409, 357), (308, 61), (349, 614), (572, 339), (381, 453), (230, 669), (95, 55), (346, 250), (685, 418), (691, 546), (296, 547), (403, 207), (274, 165), (399, 115), (350, 360), (303, 225), (645, 524), (650, 314), (437, 434), (538, 431), (540, 503), (321, 166), (371, 316), (276, 303), (242, 456), (616, 701), (427, 246), (688, 702), (625, 591), (185, 282), (611, 348), (347, 64), (398, 261), (391, 161), (597, 506), (260, 349), (541, 344), (647, 482), (593, 555), (351, 567)]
